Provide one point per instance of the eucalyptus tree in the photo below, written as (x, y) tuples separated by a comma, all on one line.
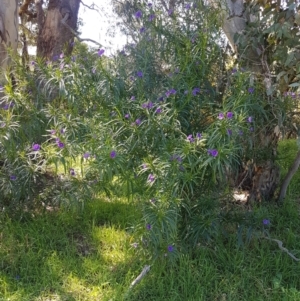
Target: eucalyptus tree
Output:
[(8, 31)]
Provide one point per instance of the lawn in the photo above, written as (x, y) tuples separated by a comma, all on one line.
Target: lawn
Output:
[(90, 255)]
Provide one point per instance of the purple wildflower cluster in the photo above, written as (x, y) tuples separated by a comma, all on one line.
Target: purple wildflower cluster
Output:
[(229, 115), (171, 92), (113, 154), (138, 14), (139, 74), (213, 152), (176, 157), (13, 178), (86, 155), (101, 52), (251, 90), (195, 91), (291, 94), (36, 147), (72, 172), (151, 178), (148, 105), (191, 139)]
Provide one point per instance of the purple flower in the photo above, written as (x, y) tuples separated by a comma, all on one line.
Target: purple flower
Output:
[(72, 172), (266, 222), (176, 157), (250, 119), (138, 121), (132, 98), (151, 178), (251, 90), (135, 245), (60, 144), (221, 116), (139, 74), (138, 14), (147, 105), (195, 91), (171, 92), (62, 131), (181, 168), (13, 177), (113, 154), (187, 6), (170, 12), (161, 98), (36, 147), (190, 138), (151, 17), (158, 110), (213, 152), (100, 52), (61, 56), (241, 133), (52, 132), (198, 135), (229, 115), (170, 248), (142, 30), (144, 166), (150, 4), (86, 155), (229, 132), (148, 227), (127, 116), (2, 125), (251, 129), (234, 70), (94, 70)]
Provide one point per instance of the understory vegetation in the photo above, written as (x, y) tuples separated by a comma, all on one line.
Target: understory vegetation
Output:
[(109, 164), (92, 254)]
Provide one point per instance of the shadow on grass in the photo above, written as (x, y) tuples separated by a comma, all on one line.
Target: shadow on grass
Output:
[(68, 256)]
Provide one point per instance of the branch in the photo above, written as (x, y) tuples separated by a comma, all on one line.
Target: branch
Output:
[(92, 7), (289, 176), (145, 270), (279, 242), (63, 21)]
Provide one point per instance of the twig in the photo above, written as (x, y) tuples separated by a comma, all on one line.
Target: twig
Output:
[(280, 243)]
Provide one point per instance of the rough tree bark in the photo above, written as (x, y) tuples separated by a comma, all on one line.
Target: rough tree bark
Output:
[(55, 27), (8, 31)]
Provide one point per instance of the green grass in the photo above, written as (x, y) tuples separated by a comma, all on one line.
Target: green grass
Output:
[(87, 255)]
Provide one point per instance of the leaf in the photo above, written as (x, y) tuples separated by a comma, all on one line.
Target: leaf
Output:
[(289, 58), (280, 74), (294, 85)]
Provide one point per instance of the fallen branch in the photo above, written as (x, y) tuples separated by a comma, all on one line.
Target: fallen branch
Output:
[(145, 270), (280, 243)]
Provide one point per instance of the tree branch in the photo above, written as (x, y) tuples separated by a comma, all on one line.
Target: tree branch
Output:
[(92, 7), (63, 21)]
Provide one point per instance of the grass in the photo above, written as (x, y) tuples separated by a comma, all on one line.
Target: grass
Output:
[(88, 255)]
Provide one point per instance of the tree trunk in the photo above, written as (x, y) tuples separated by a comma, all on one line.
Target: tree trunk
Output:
[(55, 28), (8, 31)]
